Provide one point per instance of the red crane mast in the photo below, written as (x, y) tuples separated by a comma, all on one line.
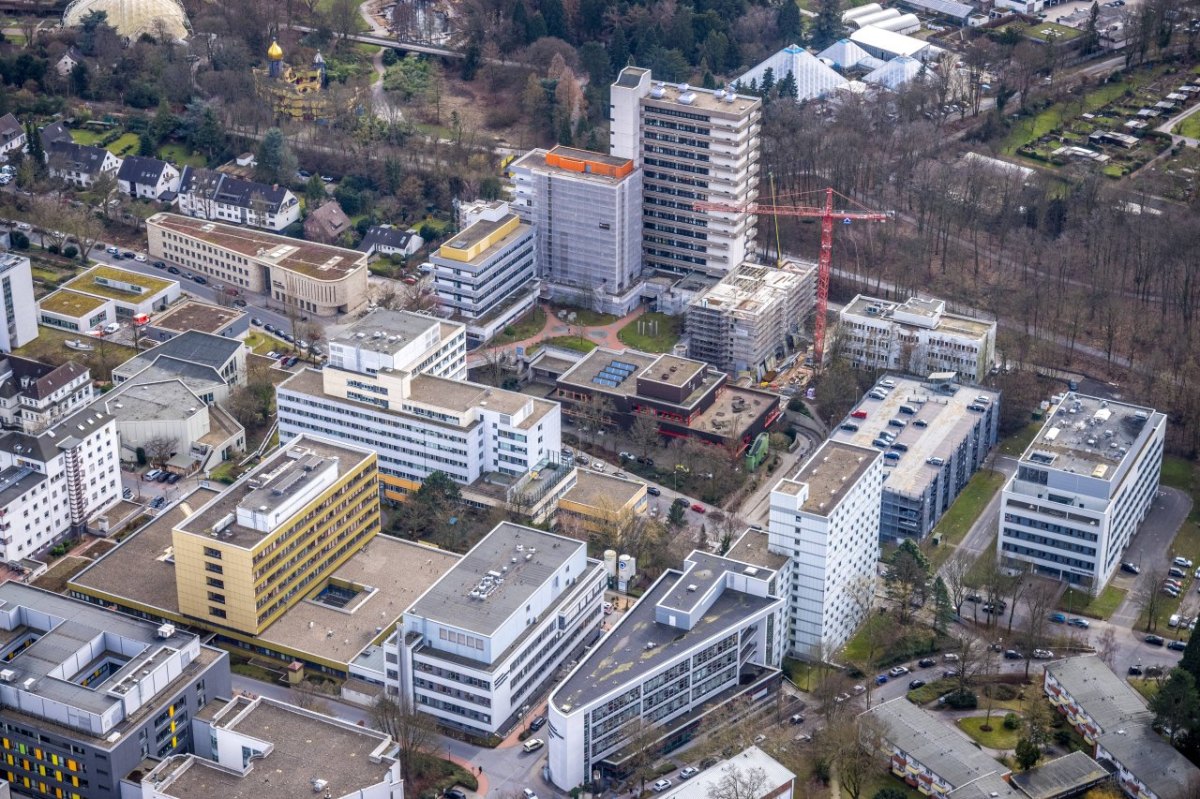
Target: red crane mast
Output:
[(826, 213)]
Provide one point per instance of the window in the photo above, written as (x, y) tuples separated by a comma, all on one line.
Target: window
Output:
[(215, 583), (214, 568), (209, 552), (220, 614)]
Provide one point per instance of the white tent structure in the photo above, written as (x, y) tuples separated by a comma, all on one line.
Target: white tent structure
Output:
[(861, 11), (895, 73), (876, 18), (905, 23), (132, 18), (843, 54), (813, 79)]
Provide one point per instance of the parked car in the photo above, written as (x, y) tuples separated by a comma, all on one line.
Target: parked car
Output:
[(1174, 620), (174, 270), (1131, 568), (1043, 654), (662, 785), (926, 662), (797, 718), (858, 690), (159, 265), (256, 321), (201, 279), (533, 744), (537, 723), (881, 679), (898, 671), (687, 772), (162, 477), (1177, 646), (915, 684), (173, 478), (1175, 571), (454, 793), (151, 475), (1012, 654), (1155, 640), (1058, 618), (1136, 670), (127, 254), (128, 492), (680, 501), (1184, 562), (141, 259), (950, 657), (950, 674), (653, 491), (1078, 622), (696, 506), (112, 327)]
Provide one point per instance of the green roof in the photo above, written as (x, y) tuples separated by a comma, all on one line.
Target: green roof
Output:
[(69, 303), (87, 283)]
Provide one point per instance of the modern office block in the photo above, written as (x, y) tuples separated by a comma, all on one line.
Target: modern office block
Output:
[(86, 695), (917, 336), (825, 518), (247, 555), (476, 649), (692, 145), (752, 318), (587, 210), (1082, 488), (18, 311), (702, 637), (934, 434), (486, 276)]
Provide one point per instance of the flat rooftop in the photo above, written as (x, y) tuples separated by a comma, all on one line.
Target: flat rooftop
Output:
[(830, 473), (70, 303), (86, 282), (290, 465), (752, 288), (461, 396), (946, 417), (734, 409), (602, 490), (617, 372), (920, 307), (304, 748), (672, 370), (315, 261), (537, 160), (638, 644), (196, 315), (683, 96), (1068, 774), (751, 548), (938, 746), (449, 600), (480, 230), (1102, 693), (709, 781), (387, 330), (137, 401), (140, 571), (1090, 436)]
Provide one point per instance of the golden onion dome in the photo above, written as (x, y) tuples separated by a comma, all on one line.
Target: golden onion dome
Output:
[(275, 52)]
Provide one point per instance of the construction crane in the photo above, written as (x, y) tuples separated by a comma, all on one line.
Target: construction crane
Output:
[(826, 213)]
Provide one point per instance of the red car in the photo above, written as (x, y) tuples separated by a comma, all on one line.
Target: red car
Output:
[(699, 508), (859, 414), (411, 281)]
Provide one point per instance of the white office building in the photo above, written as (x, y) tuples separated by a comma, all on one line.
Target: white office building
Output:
[(53, 482), (752, 317), (934, 434), (394, 383), (1081, 489), (699, 638), (18, 310), (692, 145), (587, 210), (486, 276), (478, 646), (917, 336), (825, 518)]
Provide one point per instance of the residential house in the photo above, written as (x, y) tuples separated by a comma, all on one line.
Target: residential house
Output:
[(328, 224), (208, 194), (390, 240), (79, 164), (148, 178), (12, 135)]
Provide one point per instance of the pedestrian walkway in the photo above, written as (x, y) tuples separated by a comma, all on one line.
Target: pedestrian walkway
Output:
[(601, 335), (482, 790)]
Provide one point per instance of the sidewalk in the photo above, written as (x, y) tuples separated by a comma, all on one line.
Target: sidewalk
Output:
[(603, 335)]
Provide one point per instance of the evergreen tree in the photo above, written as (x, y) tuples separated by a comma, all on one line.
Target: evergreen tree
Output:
[(34, 143), (520, 22), (1176, 705), (275, 161), (536, 29), (163, 124), (1027, 754), (556, 19), (768, 82), (471, 58), (943, 608), (1191, 655), (789, 21), (786, 88), (145, 145), (827, 28), (1091, 32), (80, 79), (618, 50)]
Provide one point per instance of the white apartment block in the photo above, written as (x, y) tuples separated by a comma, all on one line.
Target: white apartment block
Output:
[(477, 648), (18, 310), (934, 434), (825, 518), (54, 482), (587, 210), (753, 317), (208, 194), (420, 416), (692, 145), (34, 395), (917, 336), (1081, 489), (486, 276), (699, 638)]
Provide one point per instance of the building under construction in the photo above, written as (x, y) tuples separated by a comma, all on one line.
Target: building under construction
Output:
[(752, 318)]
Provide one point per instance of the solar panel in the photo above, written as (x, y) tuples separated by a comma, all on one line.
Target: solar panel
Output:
[(605, 381), (622, 365)]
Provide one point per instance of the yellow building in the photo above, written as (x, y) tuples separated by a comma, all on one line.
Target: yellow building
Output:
[(298, 92), (255, 549), (600, 504)]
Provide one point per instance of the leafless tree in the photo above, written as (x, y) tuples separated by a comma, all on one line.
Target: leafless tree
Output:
[(1106, 647), (1039, 599), (160, 449), (954, 573), (412, 730), (644, 433), (739, 783), (1151, 595)]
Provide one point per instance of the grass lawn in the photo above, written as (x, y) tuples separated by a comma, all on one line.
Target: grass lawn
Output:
[(369, 49), (1015, 444), (996, 738), (978, 571), (1179, 473), (931, 691), (967, 507), (1147, 687), (528, 325), (652, 332), (1189, 127), (1051, 32), (586, 316), (260, 343), (1027, 129), (799, 672), (897, 644), (87, 137), (880, 779), (571, 343), (50, 347), (253, 672), (1080, 603), (126, 145), (180, 156)]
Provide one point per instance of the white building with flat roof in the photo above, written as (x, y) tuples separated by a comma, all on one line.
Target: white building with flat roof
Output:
[(18, 310), (1082, 488), (479, 645), (701, 637), (918, 336), (587, 210), (395, 383), (752, 317), (486, 276), (825, 518), (934, 435), (692, 145)]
